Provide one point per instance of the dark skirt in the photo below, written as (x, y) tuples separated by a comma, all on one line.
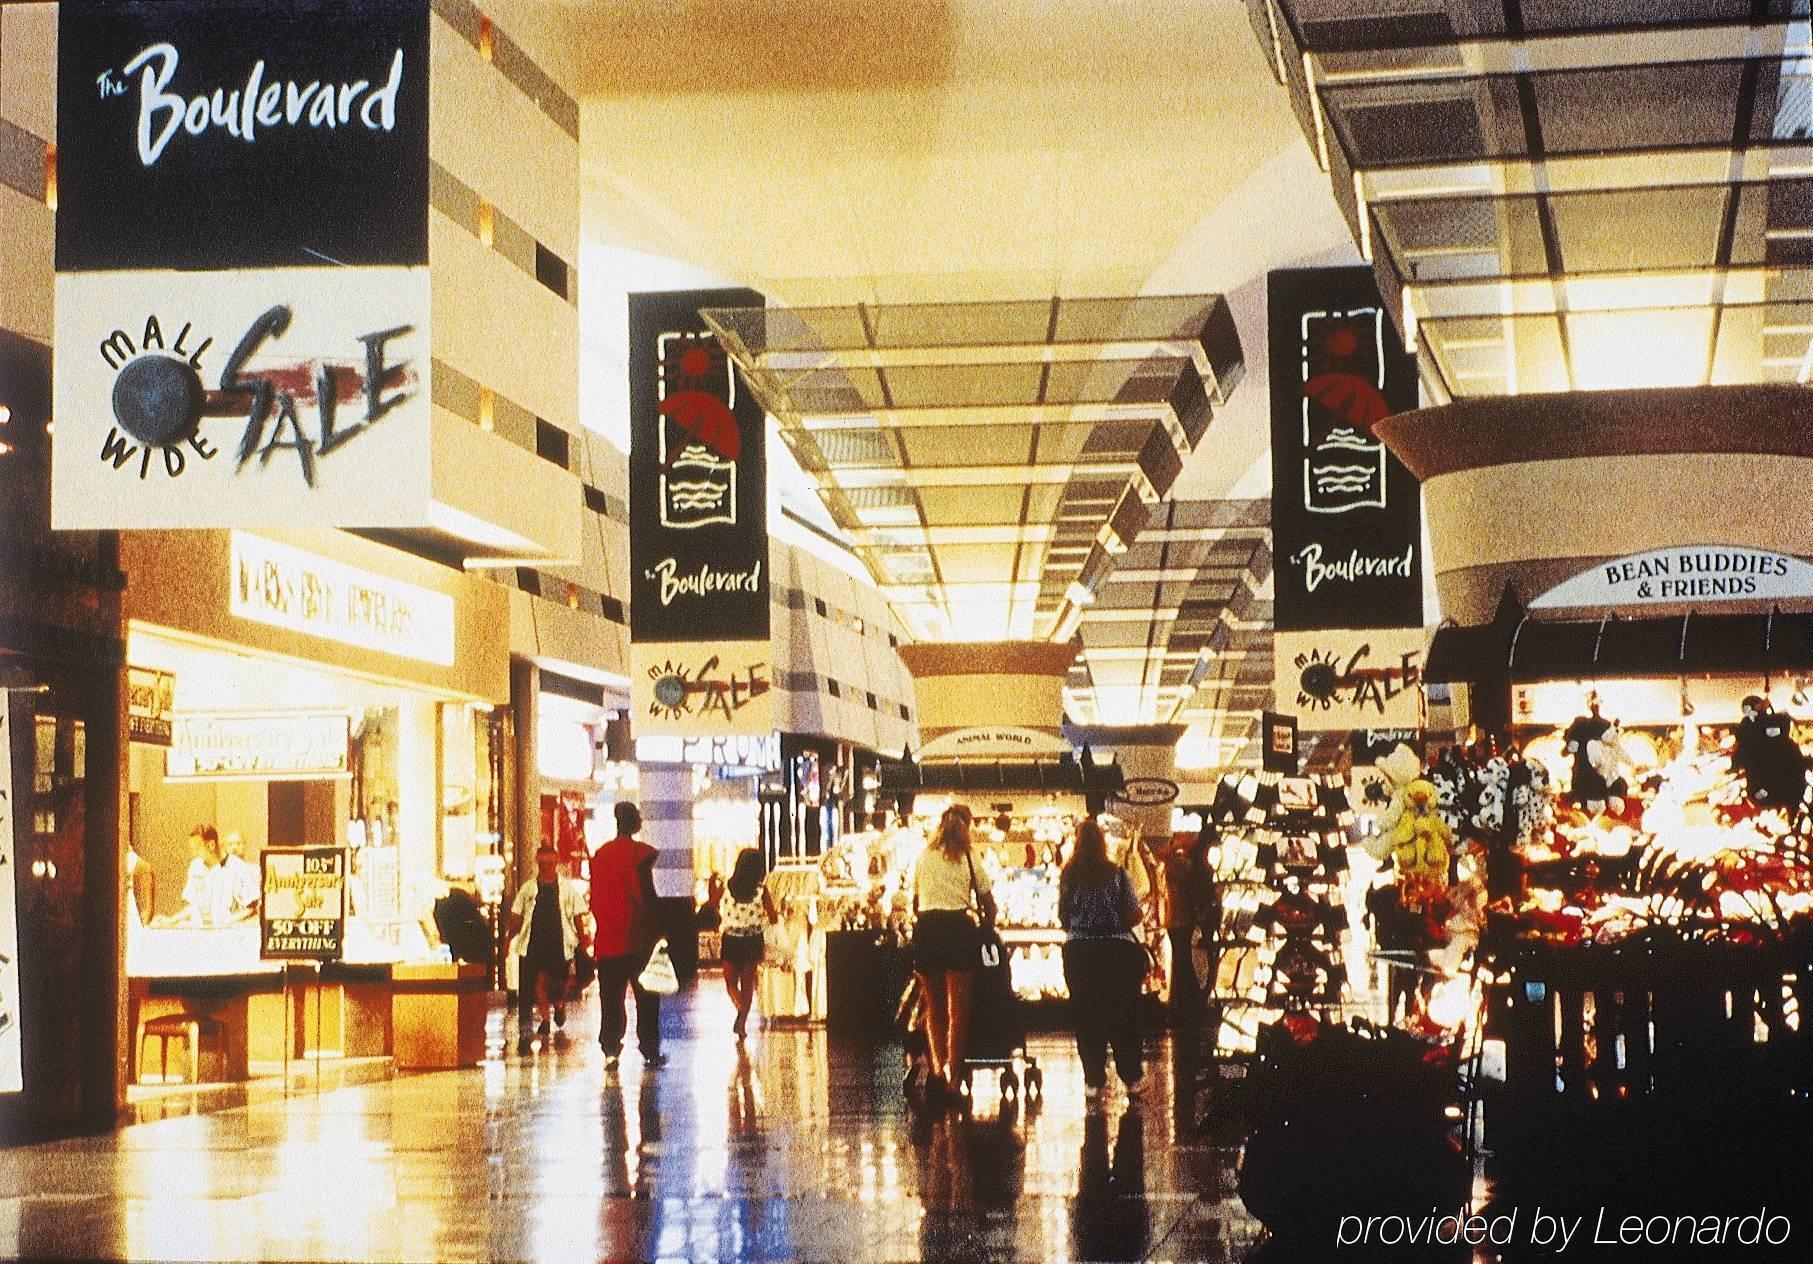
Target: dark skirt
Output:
[(945, 942), (742, 950)]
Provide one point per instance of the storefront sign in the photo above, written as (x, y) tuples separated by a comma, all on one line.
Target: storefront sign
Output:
[(1278, 742), (1346, 514), (11, 1071), (763, 752), (302, 913), (997, 741), (698, 478), (1353, 680), (1146, 792), (263, 746), (150, 697), (1694, 575), (291, 588), (703, 691), (242, 282)]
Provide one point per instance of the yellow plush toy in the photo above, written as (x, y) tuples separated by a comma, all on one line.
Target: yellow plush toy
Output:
[(1420, 840)]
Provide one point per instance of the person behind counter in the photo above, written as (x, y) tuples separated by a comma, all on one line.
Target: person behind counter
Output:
[(1103, 962), (946, 945), (221, 888), (745, 910)]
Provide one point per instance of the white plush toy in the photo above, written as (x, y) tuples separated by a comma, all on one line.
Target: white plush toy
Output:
[(1399, 768)]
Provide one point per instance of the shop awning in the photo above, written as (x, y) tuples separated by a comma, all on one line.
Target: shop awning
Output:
[(1064, 775), (1691, 644)]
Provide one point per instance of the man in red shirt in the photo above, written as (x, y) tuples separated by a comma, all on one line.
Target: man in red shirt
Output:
[(623, 936)]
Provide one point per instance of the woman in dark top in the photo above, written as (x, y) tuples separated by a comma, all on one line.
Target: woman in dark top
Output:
[(1103, 962)]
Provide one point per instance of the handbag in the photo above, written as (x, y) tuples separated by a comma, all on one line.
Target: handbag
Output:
[(658, 975), (990, 951)]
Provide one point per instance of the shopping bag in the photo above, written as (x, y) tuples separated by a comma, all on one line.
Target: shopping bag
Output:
[(658, 975)]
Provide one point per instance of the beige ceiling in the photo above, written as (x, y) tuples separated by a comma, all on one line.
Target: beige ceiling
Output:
[(828, 151)]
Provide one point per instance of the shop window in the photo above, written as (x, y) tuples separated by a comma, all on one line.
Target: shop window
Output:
[(552, 443), (873, 704), (904, 714), (594, 500), (529, 580), (612, 609), (833, 688), (824, 611)]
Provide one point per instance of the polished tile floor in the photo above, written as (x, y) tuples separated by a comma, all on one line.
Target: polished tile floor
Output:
[(793, 1148)]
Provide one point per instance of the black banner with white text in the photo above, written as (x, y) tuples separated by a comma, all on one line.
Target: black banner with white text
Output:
[(1346, 513)]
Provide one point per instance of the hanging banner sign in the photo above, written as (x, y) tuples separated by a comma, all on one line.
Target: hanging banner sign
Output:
[(995, 741), (150, 697), (302, 908), (242, 282), (703, 691), (1346, 513), (698, 478), (1695, 574), (269, 746), (11, 1068), (1350, 679)]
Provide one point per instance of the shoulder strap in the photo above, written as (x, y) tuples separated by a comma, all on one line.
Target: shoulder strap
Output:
[(974, 890)]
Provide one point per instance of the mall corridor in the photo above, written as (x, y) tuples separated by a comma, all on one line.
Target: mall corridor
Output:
[(794, 1148)]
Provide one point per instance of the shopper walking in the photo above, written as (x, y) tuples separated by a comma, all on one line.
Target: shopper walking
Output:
[(744, 912), (544, 929), (1103, 962), (947, 885), (623, 936)]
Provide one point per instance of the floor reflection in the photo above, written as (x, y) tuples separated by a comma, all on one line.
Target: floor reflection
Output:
[(788, 1147)]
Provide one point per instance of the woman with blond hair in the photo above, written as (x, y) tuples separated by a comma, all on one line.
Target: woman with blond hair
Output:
[(947, 884), (1103, 962)]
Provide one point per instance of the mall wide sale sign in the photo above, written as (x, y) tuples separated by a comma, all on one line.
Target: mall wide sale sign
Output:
[(241, 252), (699, 621)]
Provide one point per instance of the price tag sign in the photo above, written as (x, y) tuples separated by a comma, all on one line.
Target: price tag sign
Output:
[(302, 915)]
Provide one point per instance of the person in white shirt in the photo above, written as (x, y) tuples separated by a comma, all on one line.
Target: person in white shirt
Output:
[(946, 945), (216, 892), (544, 928)]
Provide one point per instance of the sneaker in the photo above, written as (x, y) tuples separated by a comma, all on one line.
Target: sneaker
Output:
[(654, 1059), (542, 1030), (560, 1016)]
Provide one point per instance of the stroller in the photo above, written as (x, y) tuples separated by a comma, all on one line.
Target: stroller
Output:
[(997, 1037)]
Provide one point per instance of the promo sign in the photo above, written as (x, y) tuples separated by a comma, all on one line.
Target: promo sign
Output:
[(1353, 680), (242, 282), (302, 913), (1146, 792), (699, 690), (1346, 513), (150, 697), (11, 1068), (698, 478), (1278, 742), (1699, 574), (267, 746)]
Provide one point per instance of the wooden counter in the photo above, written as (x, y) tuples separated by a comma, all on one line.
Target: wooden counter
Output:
[(437, 1015)]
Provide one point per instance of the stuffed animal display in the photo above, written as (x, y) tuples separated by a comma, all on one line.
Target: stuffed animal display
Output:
[(1411, 829), (1764, 751)]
